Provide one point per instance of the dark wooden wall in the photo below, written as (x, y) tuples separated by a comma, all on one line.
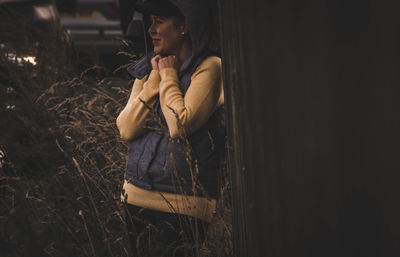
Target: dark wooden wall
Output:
[(313, 102)]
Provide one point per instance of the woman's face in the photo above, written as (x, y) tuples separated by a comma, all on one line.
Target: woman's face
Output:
[(166, 35)]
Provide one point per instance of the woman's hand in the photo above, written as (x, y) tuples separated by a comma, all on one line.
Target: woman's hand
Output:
[(168, 62), (154, 62)]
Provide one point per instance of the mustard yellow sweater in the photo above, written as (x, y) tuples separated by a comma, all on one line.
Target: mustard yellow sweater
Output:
[(204, 96)]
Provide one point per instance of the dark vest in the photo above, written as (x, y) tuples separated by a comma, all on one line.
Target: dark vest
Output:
[(186, 165)]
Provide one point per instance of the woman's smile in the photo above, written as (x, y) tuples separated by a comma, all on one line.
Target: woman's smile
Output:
[(156, 41)]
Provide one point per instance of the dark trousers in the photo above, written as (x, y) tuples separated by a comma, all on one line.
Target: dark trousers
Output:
[(159, 234)]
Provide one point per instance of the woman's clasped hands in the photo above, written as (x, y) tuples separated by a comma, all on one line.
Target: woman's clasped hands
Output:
[(160, 63)]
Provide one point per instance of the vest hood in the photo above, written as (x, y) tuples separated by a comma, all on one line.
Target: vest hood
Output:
[(198, 14)]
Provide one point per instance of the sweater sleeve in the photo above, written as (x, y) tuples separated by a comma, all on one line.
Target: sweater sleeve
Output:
[(186, 114), (132, 119)]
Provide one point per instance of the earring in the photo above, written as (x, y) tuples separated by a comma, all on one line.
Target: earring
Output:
[(182, 33)]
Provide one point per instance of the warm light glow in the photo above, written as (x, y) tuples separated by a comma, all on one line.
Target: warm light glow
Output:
[(45, 12), (20, 61), (30, 59)]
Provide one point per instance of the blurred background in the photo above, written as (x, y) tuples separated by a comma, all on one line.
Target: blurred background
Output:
[(97, 30)]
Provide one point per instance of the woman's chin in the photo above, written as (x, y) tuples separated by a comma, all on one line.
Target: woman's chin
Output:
[(158, 51)]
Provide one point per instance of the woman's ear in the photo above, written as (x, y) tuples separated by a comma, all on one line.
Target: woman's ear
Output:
[(182, 26), (185, 27)]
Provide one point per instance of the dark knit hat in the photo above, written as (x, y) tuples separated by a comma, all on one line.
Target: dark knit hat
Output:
[(159, 8)]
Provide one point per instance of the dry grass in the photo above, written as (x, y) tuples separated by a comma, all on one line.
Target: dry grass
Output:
[(85, 111)]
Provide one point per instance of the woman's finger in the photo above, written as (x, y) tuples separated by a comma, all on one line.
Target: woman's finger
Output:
[(154, 62)]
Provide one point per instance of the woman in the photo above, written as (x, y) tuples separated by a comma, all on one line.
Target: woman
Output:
[(172, 122)]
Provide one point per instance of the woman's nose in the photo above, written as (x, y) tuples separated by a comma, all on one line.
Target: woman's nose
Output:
[(151, 29)]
